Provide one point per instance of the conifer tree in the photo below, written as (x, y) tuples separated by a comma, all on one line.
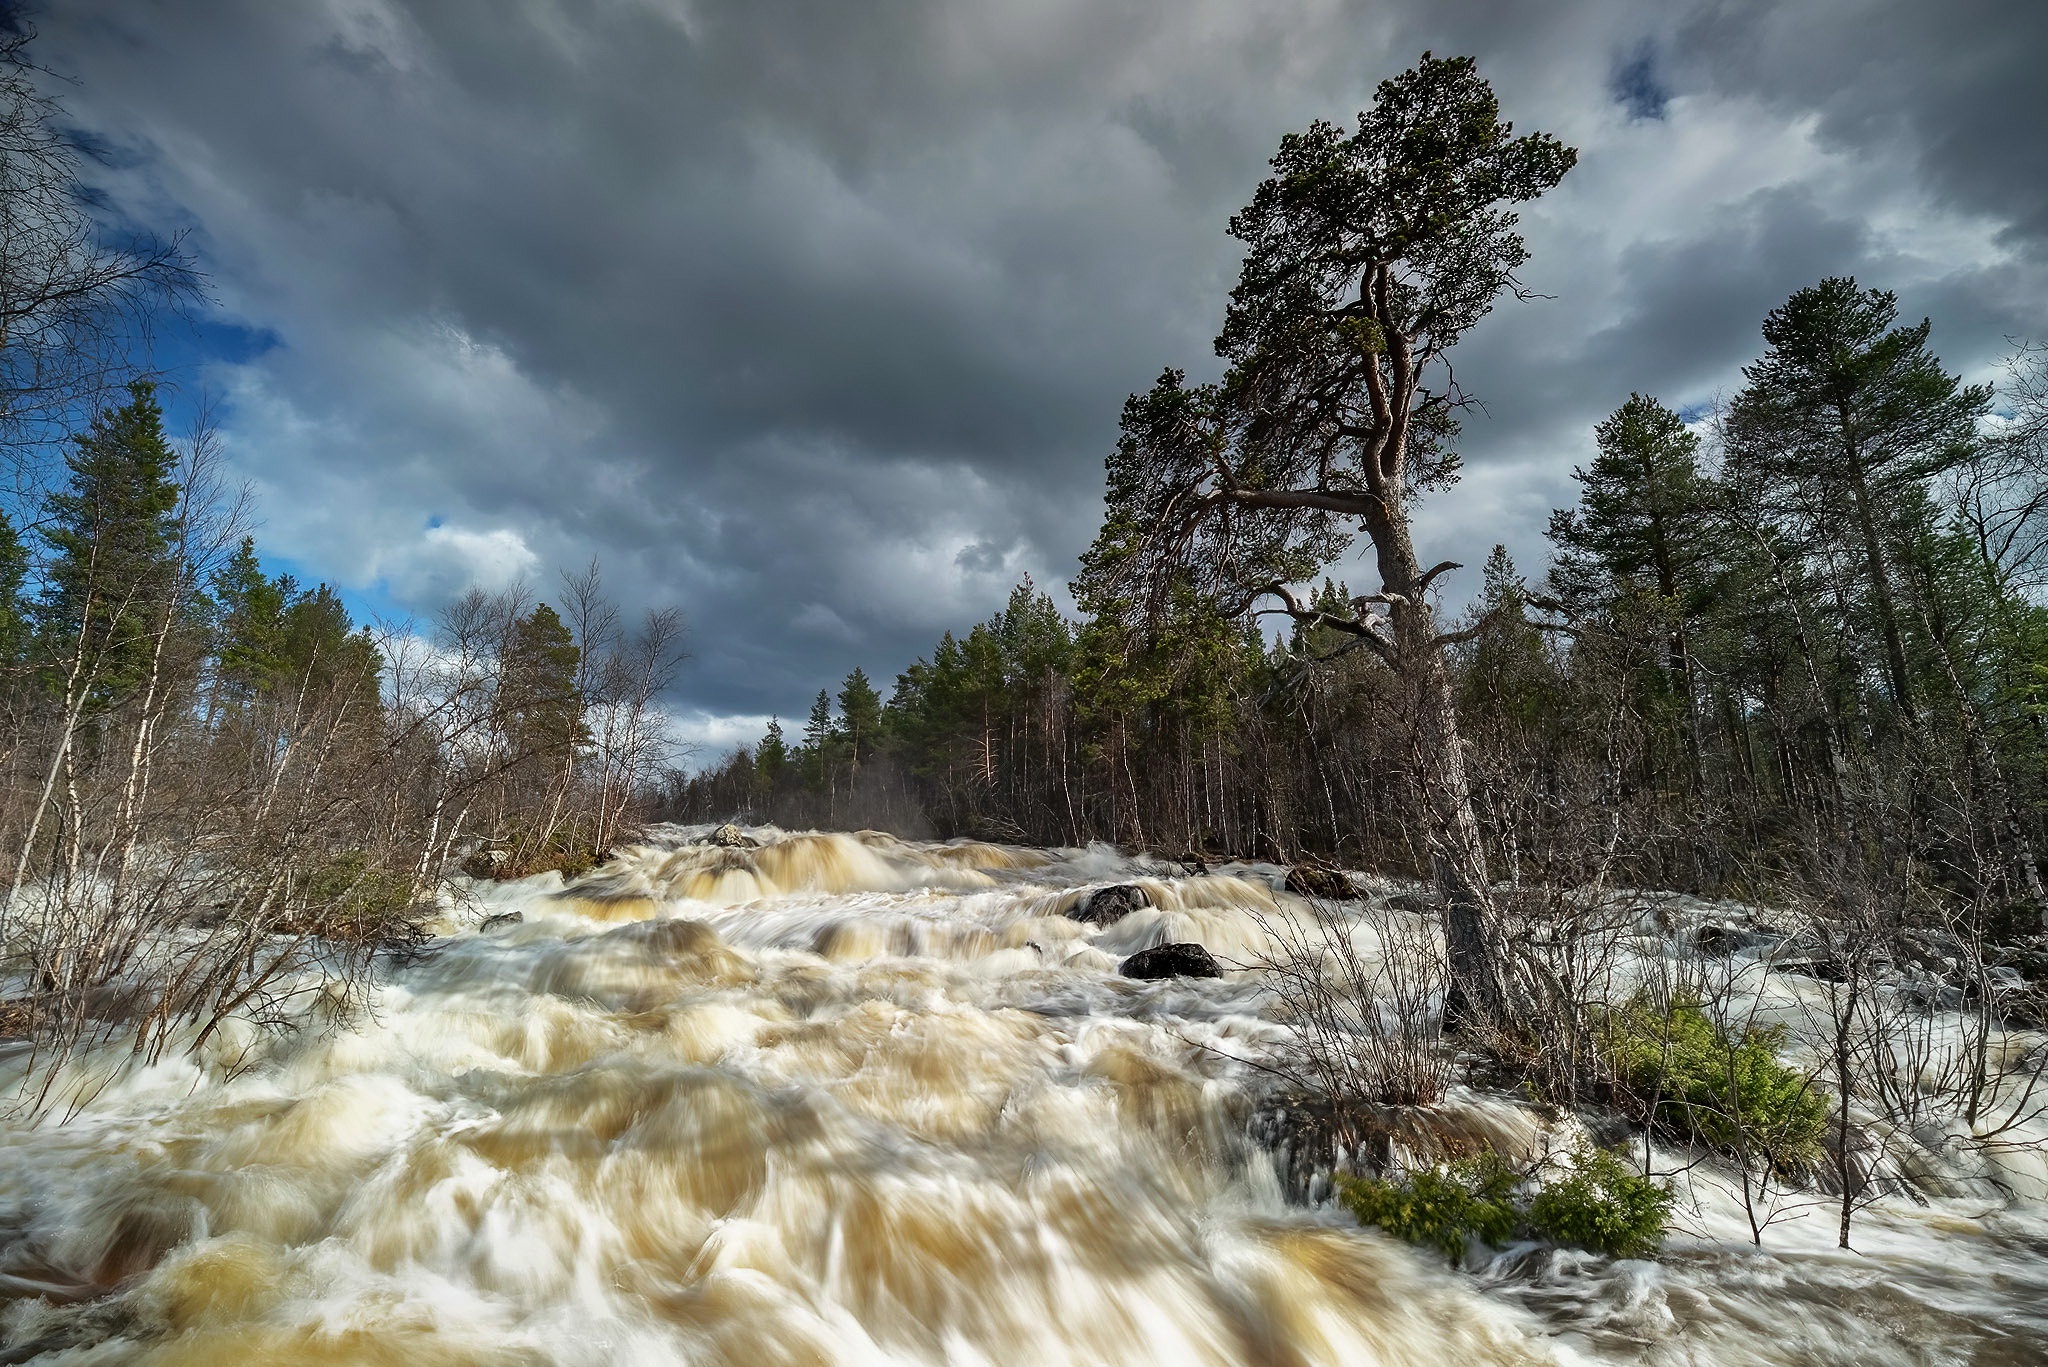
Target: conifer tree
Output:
[(248, 624), (113, 532), (860, 717), (540, 709), (817, 740), (1368, 255), (771, 757), (1642, 527), (1854, 410), (14, 618)]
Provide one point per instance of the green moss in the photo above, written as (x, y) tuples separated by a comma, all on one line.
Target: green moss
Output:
[(1704, 1084)]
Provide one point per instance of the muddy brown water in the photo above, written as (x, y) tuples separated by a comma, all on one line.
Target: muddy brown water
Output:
[(854, 1100)]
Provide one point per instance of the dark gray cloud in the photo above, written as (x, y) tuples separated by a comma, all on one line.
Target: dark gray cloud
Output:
[(815, 318)]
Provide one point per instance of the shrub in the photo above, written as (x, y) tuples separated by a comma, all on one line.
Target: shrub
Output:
[(1702, 1083), (1604, 1205), (351, 895), (1444, 1208)]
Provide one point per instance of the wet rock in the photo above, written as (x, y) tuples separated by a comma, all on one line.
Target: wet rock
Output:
[(501, 920), (1171, 961), (1320, 882), (1723, 940), (2029, 958), (1420, 903), (1106, 906), (1941, 955), (731, 837), (485, 861)]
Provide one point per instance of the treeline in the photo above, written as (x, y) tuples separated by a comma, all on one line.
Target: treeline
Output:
[(197, 756), (212, 779), (1807, 617)]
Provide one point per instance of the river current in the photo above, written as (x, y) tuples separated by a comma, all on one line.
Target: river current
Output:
[(849, 1099)]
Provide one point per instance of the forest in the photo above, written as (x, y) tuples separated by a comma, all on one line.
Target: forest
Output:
[(211, 778), (1788, 648), (1801, 623)]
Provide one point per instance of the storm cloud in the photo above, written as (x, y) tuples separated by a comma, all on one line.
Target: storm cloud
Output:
[(815, 318)]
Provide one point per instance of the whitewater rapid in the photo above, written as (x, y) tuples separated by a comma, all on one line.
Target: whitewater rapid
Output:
[(855, 1100)]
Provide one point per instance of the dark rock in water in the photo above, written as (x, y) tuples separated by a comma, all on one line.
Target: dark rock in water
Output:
[(1723, 940), (1320, 882), (731, 837), (503, 918), (2029, 958), (1421, 903), (1941, 955), (1171, 961), (1105, 906)]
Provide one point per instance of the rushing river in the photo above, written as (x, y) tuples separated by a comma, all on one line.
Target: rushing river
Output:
[(851, 1100)]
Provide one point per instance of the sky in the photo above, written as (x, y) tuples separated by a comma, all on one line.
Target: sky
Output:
[(814, 318)]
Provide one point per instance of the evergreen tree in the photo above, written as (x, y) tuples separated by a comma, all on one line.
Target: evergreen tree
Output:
[(113, 531), (771, 757), (1368, 255), (860, 717), (14, 616), (540, 710), (1643, 526), (817, 741), (1851, 411), (319, 648), (248, 624)]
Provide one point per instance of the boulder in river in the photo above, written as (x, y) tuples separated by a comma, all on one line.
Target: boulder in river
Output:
[(1723, 940), (1419, 903), (502, 919), (1320, 882), (731, 837), (1184, 960), (1106, 906)]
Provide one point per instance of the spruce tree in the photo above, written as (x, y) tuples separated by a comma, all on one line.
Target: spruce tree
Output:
[(113, 533), (541, 712), (771, 759), (248, 624), (14, 613), (817, 740), (860, 716)]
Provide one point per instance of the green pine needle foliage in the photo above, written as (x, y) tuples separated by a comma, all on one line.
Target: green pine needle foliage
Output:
[(1602, 1204), (1444, 1208), (1704, 1084)]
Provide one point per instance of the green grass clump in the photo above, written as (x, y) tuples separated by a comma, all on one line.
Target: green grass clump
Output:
[(1603, 1205), (1702, 1083)]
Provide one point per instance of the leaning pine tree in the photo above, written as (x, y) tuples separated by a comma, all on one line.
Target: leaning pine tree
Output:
[(1368, 256)]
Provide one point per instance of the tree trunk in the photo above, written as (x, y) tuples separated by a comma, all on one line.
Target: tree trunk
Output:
[(1450, 827), (1881, 590)]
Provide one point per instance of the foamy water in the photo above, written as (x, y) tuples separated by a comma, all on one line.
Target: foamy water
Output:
[(852, 1100)]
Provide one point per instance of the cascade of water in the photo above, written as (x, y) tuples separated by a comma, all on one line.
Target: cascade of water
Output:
[(851, 1099)]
